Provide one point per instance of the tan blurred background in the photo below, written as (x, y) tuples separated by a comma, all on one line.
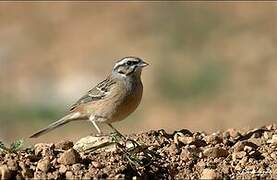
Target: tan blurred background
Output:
[(213, 65)]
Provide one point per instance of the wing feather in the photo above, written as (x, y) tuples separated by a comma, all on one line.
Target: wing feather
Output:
[(95, 94)]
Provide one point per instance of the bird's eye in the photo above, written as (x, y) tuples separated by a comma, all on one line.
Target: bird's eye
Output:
[(129, 63)]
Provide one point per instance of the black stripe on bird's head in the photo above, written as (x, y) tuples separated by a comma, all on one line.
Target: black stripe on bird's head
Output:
[(129, 65)]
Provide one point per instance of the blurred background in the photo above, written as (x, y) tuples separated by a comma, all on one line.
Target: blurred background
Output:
[(213, 65)]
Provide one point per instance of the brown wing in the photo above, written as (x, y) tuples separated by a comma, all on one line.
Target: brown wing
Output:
[(95, 94)]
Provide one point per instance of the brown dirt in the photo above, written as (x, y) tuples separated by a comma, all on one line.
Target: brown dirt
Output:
[(182, 154)]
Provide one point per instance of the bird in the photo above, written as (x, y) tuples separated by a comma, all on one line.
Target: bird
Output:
[(111, 100)]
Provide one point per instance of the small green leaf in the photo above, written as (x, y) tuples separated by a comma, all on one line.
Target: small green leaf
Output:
[(1, 144), (3, 148), (15, 146)]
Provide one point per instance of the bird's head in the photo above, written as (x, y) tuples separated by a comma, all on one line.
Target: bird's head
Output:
[(129, 66)]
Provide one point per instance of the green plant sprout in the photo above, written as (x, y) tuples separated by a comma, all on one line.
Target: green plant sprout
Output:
[(132, 154), (13, 148)]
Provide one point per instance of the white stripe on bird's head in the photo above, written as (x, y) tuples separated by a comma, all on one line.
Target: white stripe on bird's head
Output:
[(124, 61)]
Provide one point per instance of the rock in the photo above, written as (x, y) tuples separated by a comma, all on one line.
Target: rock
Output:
[(215, 152), (64, 145), (274, 170), (53, 175), (267, 135), (92, 142), (96, 164), (54, 162), (233, 133), (44, 149), (213, 139), (69, 175), (238, 155), (199, 143), (257, 141), (120, 176), (69, 157), (273, 155), (44, 165), (255, 154), (40, 175), (273, 140), (185, 132), (226, 135), (19, 177), (225, 169), (247, 149), (188, 140), (240, 145), (12, 165), (5, 173), (162, 132), (76, 167), (238, 167), (269, 127), (185, 155), (243, 161), (210, 174), (33, 157), (201, 164), (9, 156), (26, 172), (173, 149), (62, 169), (88, 175)]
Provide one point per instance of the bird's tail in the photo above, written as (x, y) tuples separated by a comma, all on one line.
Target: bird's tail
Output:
[(54, 125)]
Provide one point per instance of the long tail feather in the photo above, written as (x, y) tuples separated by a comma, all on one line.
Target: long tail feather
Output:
[(54, 125)]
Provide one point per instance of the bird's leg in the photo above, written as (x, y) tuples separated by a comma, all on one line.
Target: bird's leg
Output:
[(92, 120), (117, 132), (129, 153), (135, 144), (97, 128)]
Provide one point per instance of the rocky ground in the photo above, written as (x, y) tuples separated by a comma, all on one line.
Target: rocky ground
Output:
[(231, 154)]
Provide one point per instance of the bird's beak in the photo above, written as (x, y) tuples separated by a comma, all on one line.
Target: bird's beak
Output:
[(143, 64)]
